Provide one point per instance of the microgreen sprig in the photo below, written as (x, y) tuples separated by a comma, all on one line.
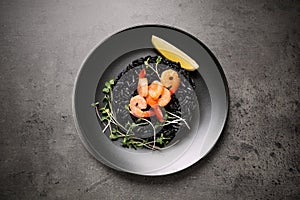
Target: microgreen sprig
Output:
[(158, 60)]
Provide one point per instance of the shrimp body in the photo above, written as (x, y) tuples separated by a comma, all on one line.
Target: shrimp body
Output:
[(170, 79), (142, 84), (165, 98), (137, 103), (155, 89), (143, 87), (150, 101)]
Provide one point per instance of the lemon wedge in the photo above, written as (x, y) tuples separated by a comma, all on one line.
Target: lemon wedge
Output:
[(174, 54)]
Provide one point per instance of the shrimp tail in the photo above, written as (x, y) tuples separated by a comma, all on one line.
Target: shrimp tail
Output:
[(174, 88), (158, 113), (142, 73), (172, 91)]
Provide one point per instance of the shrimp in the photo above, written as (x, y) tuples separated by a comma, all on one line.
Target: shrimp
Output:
[(142, 84), (143, 87), (170, 79), (137, 103), (155, 89), (165, 98)]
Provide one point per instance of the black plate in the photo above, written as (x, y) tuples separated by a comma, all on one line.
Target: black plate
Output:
[(208, 115)]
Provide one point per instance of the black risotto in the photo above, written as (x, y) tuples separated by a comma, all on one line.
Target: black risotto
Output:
[(182, 102)]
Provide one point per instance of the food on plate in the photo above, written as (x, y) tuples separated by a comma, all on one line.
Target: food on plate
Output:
[(156, 94), (150, 100), (137, 103)]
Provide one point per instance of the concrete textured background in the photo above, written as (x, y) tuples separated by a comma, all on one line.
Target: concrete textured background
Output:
[(42, 45)]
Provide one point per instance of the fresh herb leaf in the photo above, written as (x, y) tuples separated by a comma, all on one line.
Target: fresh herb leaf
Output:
[(127, 107), (127, 125), (107, 84), (95, 104), (139, 144), (113, 137), (104, 111), (158, 59), (105, 90), (111, 81), (159, 140), (147, 62), (104, 118), (125, 142)]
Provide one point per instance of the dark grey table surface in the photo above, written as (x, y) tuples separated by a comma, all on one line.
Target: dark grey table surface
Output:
[(42, 45)]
